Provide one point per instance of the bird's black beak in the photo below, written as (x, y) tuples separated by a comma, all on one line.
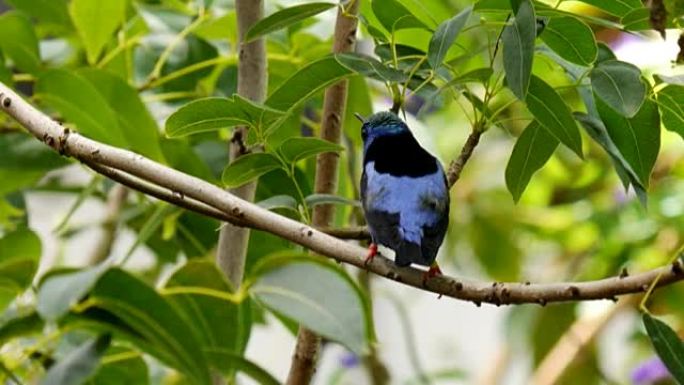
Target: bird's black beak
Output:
[(360, 117)]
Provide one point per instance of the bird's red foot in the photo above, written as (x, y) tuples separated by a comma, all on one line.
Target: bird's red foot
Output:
[(372, 252), (432, 272)]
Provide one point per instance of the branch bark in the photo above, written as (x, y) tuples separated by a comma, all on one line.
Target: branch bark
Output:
[(327, 170), (115, 202), (252, 81), (243, 213)]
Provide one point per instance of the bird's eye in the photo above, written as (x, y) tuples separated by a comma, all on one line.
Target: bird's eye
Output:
[(364, 132)]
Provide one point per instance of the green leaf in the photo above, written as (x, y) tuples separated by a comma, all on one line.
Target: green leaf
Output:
[(369, 67), (19, 41), (532, 150), (211, 114), (671, 103), (278, 202), (59, 292), (21, 326), (604, 53), (96, 21), (553, 114), (19, 257), (637, 138), (314, 77), (218, 320), (597, 130), (394, 16), (151, 322), (667, 344), (284, 18), (518, 51), (298, 148), (137, 124), (317, 295), (223, 27), (80, 103), (249, 167), (77, 366), (638, 19), (45, 11), (325, 199), (619, 85), (616, 8), (571, 39), (445, 35), (121, 366), (231, 362)]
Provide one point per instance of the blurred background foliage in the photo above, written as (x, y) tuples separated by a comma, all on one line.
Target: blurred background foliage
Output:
[(117, 69)]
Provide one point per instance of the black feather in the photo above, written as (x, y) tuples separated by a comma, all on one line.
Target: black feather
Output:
[(400, 155)]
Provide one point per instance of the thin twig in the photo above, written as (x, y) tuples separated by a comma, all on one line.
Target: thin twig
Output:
[(456, 166), (247, 214)]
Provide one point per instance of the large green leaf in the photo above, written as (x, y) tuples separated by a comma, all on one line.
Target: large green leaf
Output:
[(194, 289), (369, 67), (317, 295), (597, 130), (553, 114), (571, 39), (80, 103), (59, 292), (231, 362), (121, 366), (395, 16), (45, 11), (249, 167), (295, 149), (77, 366), (19, 41), (667, 344), (359, 102), (531, 151), (619, 85), (284, 18), (671, 103), (638, 19), (518, 50), (21, 326), (19, 257), (618, 8), (637, 138), (153, 320), (307, 81), (211, 114), (445, 35), (96, 21), (137, 125), (24, 161)]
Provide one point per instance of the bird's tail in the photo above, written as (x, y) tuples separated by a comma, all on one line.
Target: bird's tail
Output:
[(408, 253)]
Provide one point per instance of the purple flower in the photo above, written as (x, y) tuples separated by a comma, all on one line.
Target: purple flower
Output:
[(349, 360), (649, 372)]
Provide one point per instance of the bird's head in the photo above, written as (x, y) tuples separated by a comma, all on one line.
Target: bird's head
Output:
[(381, 124)]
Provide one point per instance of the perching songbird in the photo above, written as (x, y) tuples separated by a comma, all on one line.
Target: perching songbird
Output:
[(404, 193)]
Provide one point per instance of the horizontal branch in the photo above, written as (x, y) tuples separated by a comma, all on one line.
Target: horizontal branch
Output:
[(189, 191)]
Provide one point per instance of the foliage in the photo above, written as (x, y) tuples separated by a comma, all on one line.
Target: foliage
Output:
[(158, 77)]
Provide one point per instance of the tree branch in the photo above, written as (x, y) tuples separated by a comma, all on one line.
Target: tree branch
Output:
[(247, 214), (327, 173), (252, 80)]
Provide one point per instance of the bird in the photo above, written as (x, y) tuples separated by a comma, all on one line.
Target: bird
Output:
[(404, 193)]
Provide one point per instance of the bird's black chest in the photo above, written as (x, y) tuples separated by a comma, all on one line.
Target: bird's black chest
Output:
[(400, 155)]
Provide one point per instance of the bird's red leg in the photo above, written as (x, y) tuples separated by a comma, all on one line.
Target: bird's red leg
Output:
[(432, 272), (372, 252)]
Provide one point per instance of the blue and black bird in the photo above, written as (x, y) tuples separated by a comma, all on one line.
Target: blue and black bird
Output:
[(404, 193)]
